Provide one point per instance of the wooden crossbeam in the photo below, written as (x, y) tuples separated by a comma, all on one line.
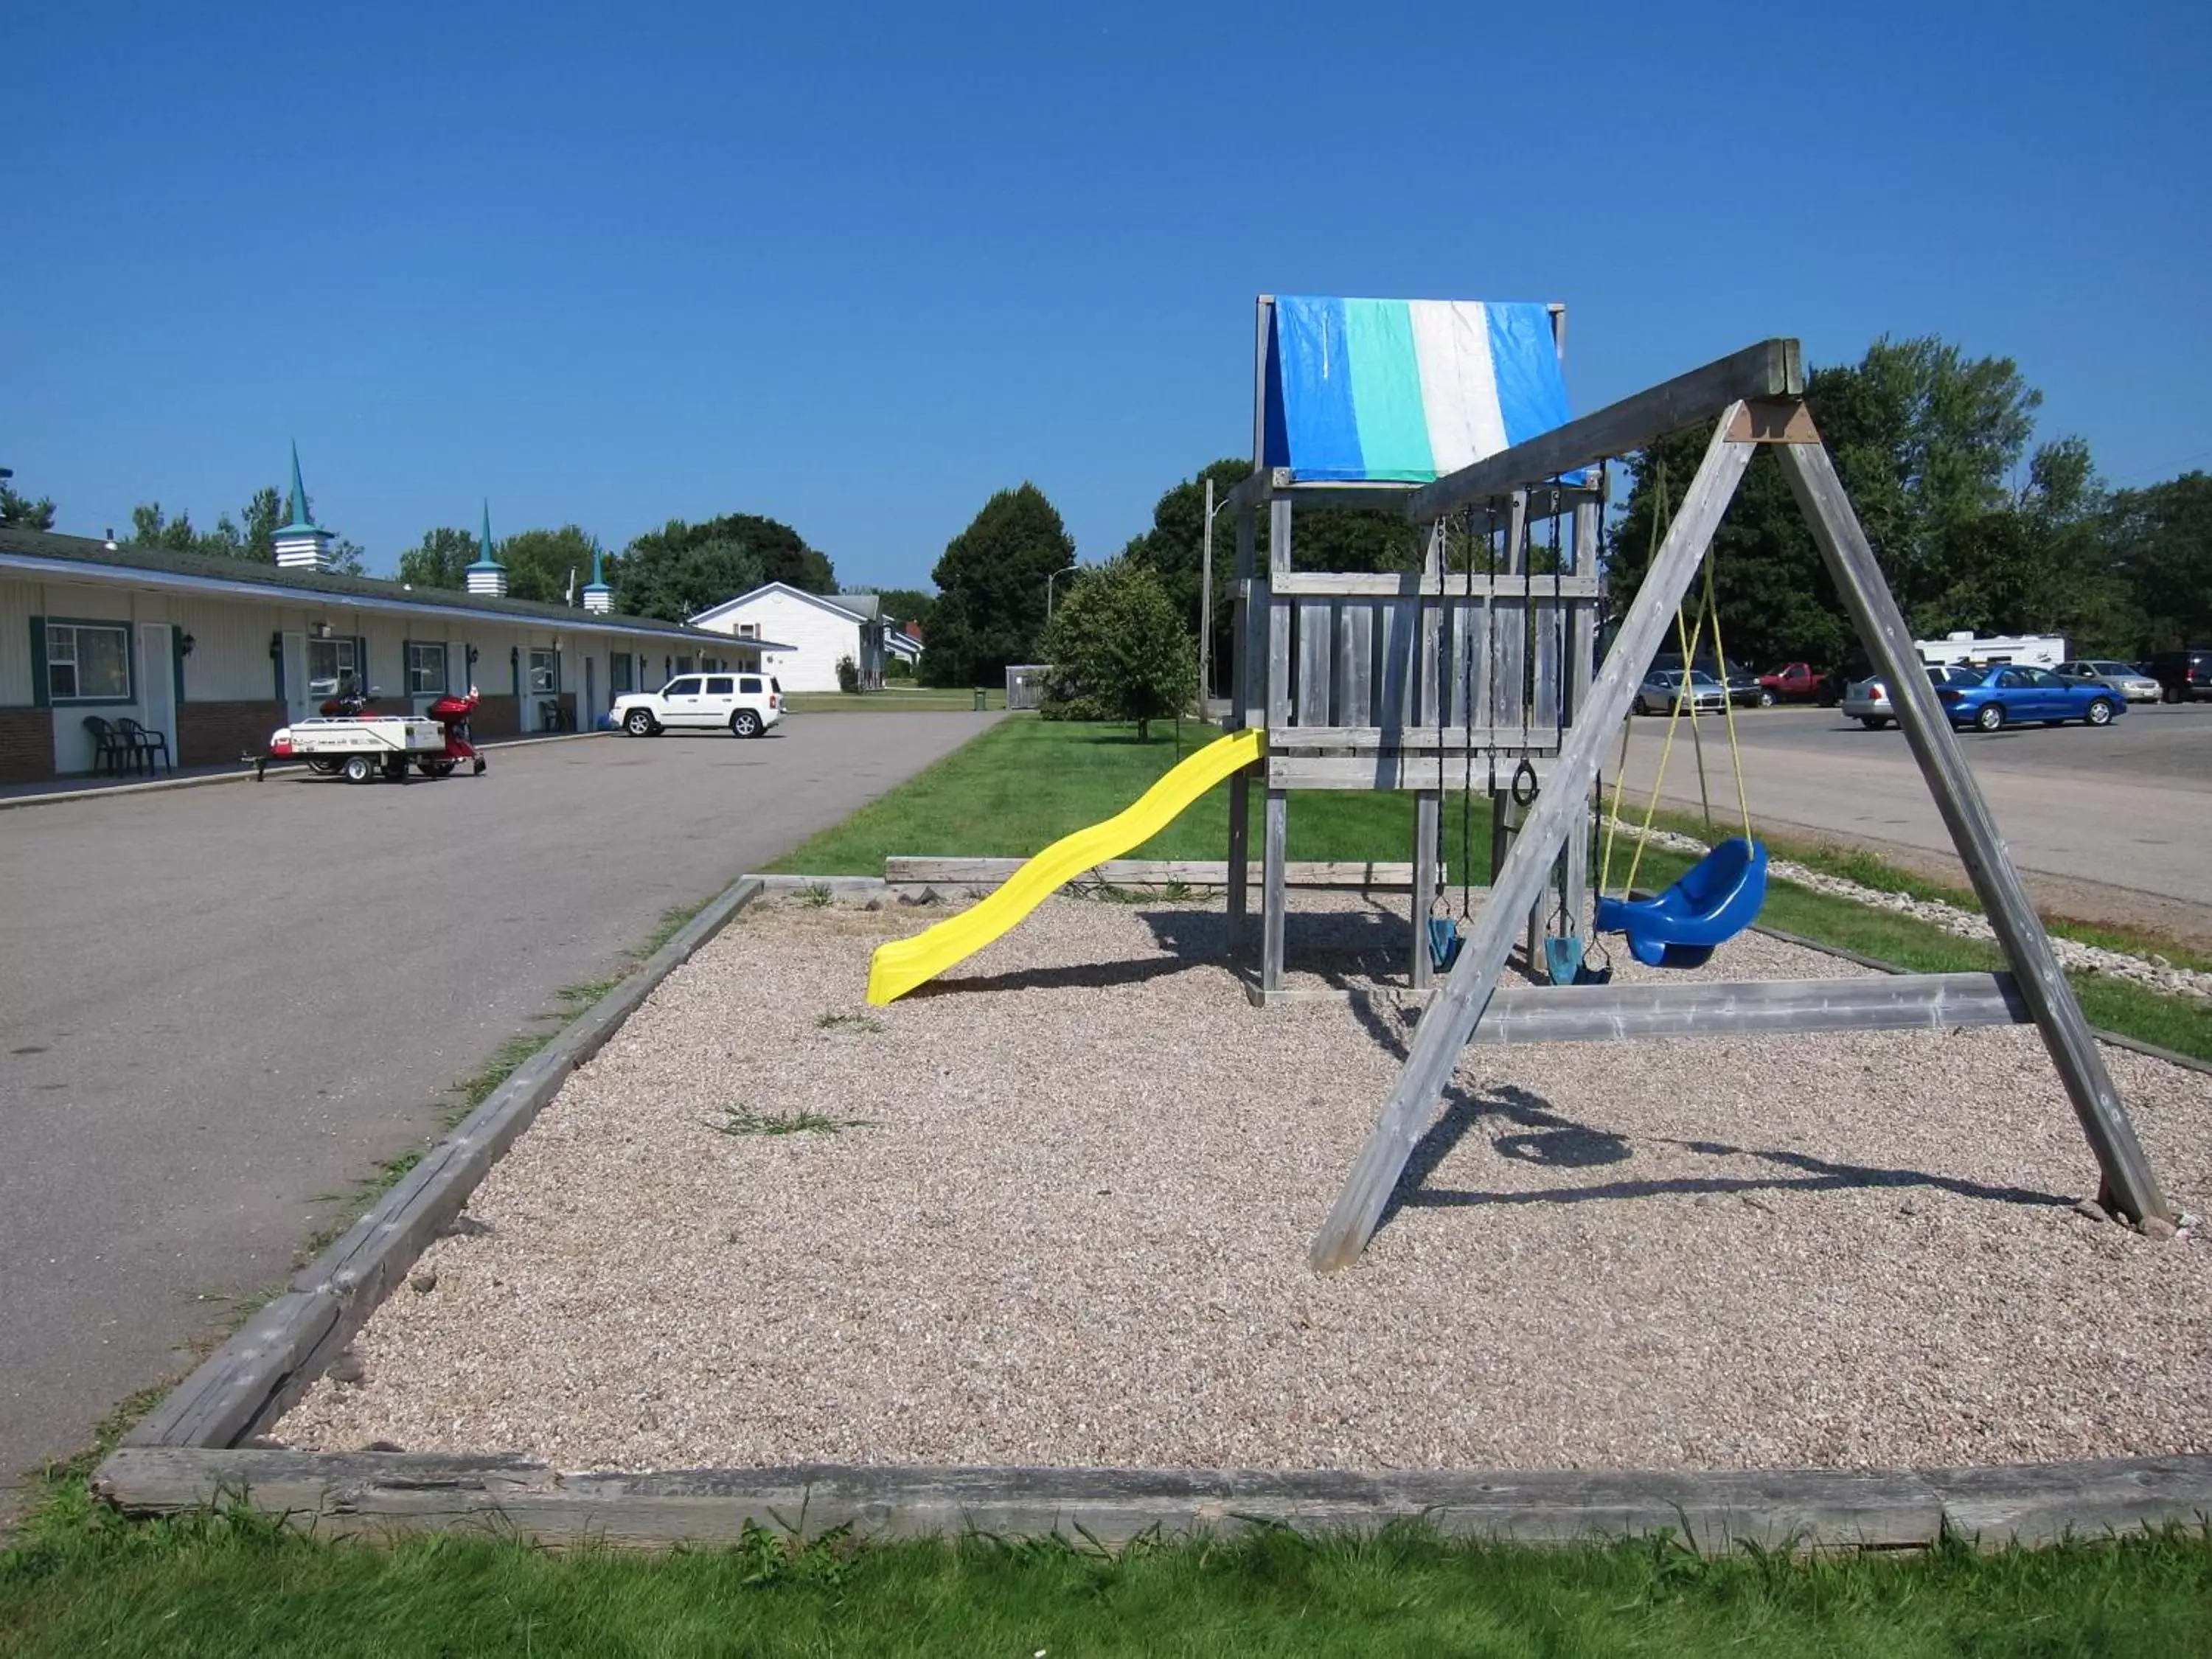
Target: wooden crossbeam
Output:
[(1782, 1007), (1772, 369), (1412, 585)]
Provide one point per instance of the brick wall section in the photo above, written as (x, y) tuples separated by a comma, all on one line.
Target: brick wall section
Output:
[(496, 717), (27, 746), (211, 733)]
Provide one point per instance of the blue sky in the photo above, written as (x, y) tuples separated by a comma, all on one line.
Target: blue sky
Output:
[(856, 267)]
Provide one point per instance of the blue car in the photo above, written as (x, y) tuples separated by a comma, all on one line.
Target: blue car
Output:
[(1989, 699)]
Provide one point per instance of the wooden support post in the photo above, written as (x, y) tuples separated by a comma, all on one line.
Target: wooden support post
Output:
[(2131, 1188), (1450, 1019), (1581, 651), (1274, 841), (1427, 819), (1244, 712)]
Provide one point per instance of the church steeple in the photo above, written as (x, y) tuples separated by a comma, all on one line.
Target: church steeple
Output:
[(487, 575), (303, 544)]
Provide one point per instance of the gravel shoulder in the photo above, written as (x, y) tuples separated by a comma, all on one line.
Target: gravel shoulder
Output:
[(1064, 1221)]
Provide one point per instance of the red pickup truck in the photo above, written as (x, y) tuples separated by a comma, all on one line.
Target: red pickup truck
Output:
[(1794, 681)]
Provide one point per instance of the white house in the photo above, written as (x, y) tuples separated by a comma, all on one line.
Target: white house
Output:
[(817, 630)]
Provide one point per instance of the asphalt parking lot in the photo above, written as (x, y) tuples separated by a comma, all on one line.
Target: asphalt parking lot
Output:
[(2127, 806), (221, 1005)]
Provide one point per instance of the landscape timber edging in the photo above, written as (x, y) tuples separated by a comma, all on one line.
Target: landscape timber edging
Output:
[(185, 1454), (385, 1493), (270, 1361)]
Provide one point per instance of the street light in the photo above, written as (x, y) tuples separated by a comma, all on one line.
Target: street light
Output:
[(1205, 604), (1048, 582)]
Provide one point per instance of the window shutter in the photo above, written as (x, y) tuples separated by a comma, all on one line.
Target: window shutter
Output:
[(177, 656), (41, 693)]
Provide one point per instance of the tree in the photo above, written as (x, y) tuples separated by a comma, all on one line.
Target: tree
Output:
[(251, 536), (908, 604), (440, 559), (2160, 543), (991, 588), (680, 569), (541, 563), (1118, 650), (1174, 549), (21, 513), (1925, 439)]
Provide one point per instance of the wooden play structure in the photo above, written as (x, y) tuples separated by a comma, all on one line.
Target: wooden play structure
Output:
[(1477, 671)]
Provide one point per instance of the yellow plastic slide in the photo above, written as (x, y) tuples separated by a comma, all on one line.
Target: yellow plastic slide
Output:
[(900, 966)]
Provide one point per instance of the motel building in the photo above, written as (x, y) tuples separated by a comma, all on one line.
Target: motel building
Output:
[(216, 654)]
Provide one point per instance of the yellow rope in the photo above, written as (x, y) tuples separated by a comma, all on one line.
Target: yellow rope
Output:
[(1727, 700), (1688, 638)]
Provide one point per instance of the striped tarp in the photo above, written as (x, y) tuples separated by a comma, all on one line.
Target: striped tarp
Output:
[(1405, 389)]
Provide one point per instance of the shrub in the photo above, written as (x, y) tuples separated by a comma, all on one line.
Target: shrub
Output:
[(848, 674), (1118, 650)]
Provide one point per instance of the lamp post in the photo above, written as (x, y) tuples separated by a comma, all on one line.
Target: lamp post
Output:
[(1205, 604), (1048, 582)]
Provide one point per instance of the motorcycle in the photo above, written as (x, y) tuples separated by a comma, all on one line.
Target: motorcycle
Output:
[(452, 713)]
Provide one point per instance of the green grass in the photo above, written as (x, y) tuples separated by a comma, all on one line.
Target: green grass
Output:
[(899, 699), (742, 1121), (79, 1582), (1025, 783), (1021, 786)]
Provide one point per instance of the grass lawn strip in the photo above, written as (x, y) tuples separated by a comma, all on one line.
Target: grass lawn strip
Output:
[(1026, 782)]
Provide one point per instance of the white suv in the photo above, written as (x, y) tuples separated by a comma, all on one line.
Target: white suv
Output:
[(745, 705)]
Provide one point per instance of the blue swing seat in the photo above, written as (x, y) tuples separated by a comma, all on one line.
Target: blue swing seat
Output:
[(1718, 898)]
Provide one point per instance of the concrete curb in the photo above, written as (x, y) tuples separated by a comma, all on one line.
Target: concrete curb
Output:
[(269, 1361), (103, 792)]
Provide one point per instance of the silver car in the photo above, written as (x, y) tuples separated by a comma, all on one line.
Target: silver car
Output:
[(1868, 701), (1662, 689), (2124, 678)]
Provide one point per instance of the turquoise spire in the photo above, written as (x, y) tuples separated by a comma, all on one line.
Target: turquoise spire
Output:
[(484, 559), (300, 521), (598, 555)]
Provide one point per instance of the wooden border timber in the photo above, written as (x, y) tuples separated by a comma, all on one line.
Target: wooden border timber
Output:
[(381, 1494), (269, 1361), (1772, 369)]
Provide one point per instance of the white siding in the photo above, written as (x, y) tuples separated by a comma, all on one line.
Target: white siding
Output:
[(818, 638)]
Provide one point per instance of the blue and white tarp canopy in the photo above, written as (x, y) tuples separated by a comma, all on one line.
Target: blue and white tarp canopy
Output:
[(1405, 390)]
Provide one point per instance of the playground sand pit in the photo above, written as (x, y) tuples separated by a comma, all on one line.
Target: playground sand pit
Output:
[(1055, 1210)]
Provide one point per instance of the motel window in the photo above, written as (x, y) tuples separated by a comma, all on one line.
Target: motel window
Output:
[(425, 669), (748, 631), (333, 667), (684, 664), (88, 662), (619, 679), (545, 670)]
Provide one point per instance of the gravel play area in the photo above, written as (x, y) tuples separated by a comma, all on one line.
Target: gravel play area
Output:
[(1056, 1209)]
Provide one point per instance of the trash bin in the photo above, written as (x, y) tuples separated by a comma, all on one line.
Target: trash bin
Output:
[(979, 699)]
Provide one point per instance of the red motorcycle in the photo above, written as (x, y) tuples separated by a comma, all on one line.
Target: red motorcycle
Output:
[(452, 713)]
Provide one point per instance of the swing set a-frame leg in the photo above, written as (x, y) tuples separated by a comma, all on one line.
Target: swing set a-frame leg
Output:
[(1450, 1018), (2130, 1187)]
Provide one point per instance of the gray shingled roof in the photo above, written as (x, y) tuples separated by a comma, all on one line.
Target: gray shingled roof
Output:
[(87, 550)]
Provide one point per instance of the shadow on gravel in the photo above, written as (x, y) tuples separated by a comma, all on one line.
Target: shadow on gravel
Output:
[(1088, 975), (1546, 1138)]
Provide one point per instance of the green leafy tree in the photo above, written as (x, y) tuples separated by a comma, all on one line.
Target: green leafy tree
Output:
[(1174, 549), (908, 604), (681, 569), (440, 559), (991, 588), (2161, 541), (541, 563), (250, 537), (21, 513), (1119, 649)]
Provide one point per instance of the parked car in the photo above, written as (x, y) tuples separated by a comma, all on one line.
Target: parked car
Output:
[(1992, 698), (1745, 691), (1868, 701), (2183, 675), (1794, 681), (746, 704), (1662, 689), (2123, 677)]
